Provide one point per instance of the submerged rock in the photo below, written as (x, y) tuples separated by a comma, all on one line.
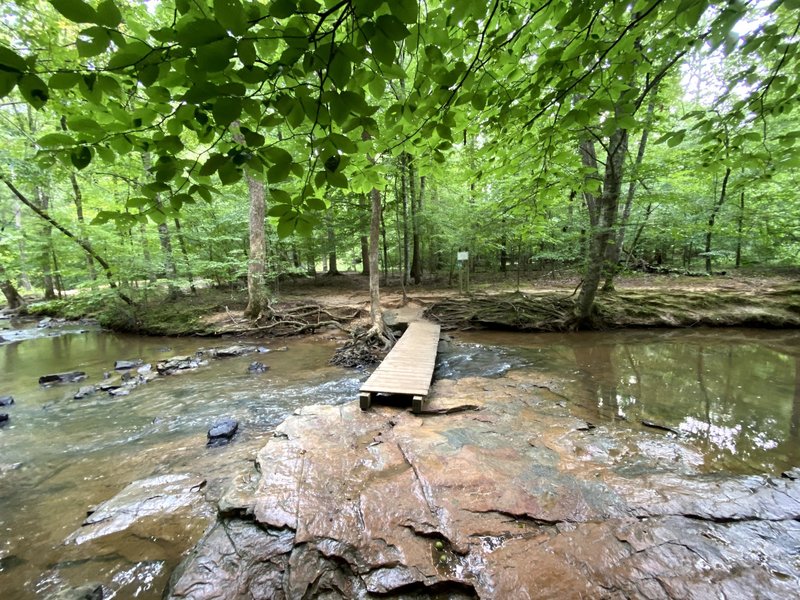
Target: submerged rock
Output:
[(494, 492), (235, 350), (69, 377), (152, 497), (222, 432), (179, 363), (4, 418), (124, 365), (86, 390), (6, 400), (257, 367)]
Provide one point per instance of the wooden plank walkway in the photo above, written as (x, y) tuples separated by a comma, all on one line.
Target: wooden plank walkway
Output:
[(408, 369)]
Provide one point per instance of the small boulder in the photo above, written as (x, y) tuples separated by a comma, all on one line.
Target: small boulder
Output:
[(235, 350), (120, 391), (46, 322), (85, 390), (124, 365), (70, 377), (4, 419), (222, 432), (6, 400), (146, 368), (257, 367)]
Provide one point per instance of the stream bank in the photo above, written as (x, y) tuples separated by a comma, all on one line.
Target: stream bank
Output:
[(495, 490)]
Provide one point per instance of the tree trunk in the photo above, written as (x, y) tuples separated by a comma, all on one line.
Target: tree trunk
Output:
[(385, 251), (713, 218), (602, 215), (163, 230), (77, 198), (375, 314), (185, 253), (333, 267), (256, 288), (13, 298), (364, 241), (416, 209), (616, 249), (23, 279), (404, 214), (739, 230), (43, 202)]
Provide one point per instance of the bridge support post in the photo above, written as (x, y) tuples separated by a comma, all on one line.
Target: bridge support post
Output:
[(364, 400)]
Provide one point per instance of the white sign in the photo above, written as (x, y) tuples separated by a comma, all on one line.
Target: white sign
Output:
[(463, 256)]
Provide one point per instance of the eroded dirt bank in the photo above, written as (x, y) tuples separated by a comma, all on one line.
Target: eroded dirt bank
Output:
[(495, 492)]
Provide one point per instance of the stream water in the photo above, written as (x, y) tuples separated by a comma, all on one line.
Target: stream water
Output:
[(733, 393)]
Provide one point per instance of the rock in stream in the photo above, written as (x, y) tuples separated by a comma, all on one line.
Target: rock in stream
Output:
[(493, 492)]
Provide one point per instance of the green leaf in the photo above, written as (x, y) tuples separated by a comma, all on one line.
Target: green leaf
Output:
[(247, 52), (339, 70), (336, 179), (130, 55), (7, 82), (316, 204), (392, 27), (405, 10), (76, 11), (229, 173), (278, 172), (108, 14), (211, 166), (96, 44), (34, 90), (286, 227), (281, 9), (227, 109), (81, 157), (11, 61), (278, 155), (215, 56), (230, 15), (278, 210), (676, 138), (200, 32), (383, 49), (52, 140)]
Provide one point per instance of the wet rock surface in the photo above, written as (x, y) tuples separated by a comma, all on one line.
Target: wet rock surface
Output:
[(69, 377), (147, 498), (256, 367), (495, 491), (222, 432), (6, 400), (4, 418)]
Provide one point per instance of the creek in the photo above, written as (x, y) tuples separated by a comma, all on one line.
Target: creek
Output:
[(732, 393)]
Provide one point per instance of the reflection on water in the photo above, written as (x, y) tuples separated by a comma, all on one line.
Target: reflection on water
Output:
[(60, 456), (735, 393)]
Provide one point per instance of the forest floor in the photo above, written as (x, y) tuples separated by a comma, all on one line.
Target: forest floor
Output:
[(539, 302)]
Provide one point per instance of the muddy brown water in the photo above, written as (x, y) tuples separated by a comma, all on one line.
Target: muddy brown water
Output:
[(733, 393)]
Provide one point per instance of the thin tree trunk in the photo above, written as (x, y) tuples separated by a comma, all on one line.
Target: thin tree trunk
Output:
[(404, 196), (713, 217), (416, 207), (739, 230), (639, 231), (375, 314), (185, 253), (616, 250), (163, 230), (603, 221), (385, 251), (82, 243), (23, 278), (333, 268), (77, 198), (59, 282), (43, 202)]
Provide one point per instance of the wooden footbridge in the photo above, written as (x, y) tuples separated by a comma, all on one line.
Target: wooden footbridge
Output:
[(408, 369)]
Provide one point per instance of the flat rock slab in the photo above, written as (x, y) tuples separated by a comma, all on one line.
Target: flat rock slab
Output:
[(69, 377), (153, 497), (495, 492)]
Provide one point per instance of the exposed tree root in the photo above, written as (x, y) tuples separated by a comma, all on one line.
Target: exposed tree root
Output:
[(287, 320), (514, 311), (364, 348), (779, 307)]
